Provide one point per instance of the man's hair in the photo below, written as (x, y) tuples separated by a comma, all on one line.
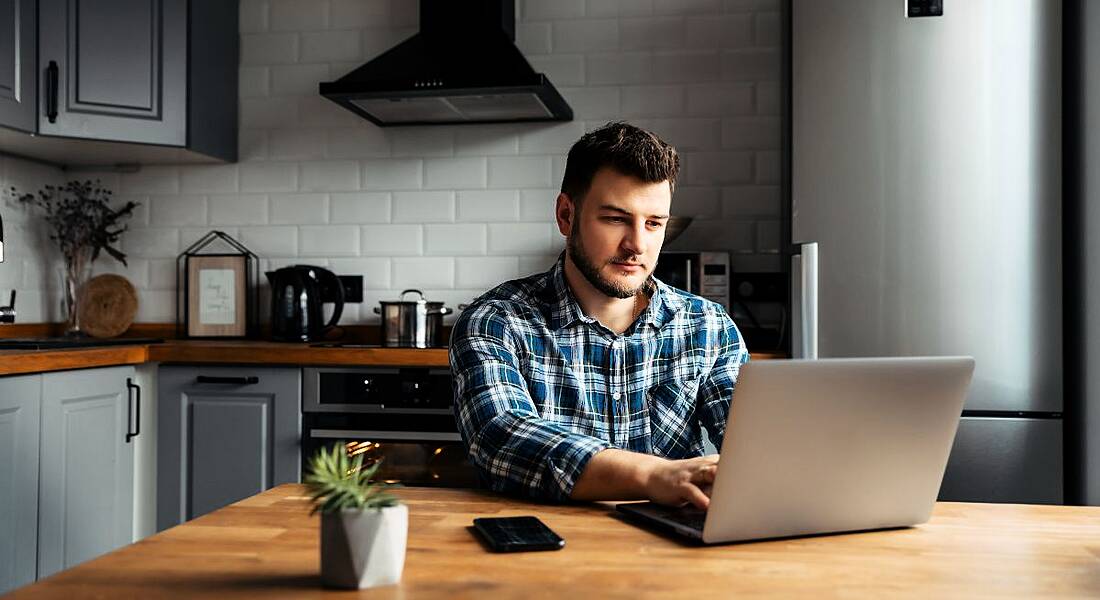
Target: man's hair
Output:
[(628, 149)]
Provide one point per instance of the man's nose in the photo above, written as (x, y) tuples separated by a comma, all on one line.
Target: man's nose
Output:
[(635, 240)]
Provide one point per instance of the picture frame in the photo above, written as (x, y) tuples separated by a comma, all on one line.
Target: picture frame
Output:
[(217, 295)]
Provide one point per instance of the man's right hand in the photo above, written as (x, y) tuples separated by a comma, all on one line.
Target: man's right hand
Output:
[(615, 474), (675, 482)]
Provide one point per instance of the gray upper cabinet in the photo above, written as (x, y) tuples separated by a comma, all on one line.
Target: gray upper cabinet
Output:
[(17, 82), (19, 414), (159, 76), (114, 70), (86, 481), (223, 434)]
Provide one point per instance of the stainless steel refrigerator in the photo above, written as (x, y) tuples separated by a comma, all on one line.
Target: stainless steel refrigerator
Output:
[(924, 183)]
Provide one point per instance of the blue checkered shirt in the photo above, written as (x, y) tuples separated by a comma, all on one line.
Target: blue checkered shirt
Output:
[(540, 387)]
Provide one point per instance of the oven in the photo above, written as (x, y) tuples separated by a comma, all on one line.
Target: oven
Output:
[(399, 416), (705, 274)]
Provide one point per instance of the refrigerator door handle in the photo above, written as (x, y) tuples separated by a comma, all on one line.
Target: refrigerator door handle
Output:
[(804, 267)]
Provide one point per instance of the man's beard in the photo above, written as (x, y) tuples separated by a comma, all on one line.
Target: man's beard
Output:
[(591, 271)]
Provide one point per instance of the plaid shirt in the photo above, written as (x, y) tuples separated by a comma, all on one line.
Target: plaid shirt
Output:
[(541, 387)]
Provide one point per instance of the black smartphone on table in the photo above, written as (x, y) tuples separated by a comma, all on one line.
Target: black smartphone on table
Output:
[(517, 534)]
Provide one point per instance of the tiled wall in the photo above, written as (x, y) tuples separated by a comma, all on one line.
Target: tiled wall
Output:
[(451, 210)]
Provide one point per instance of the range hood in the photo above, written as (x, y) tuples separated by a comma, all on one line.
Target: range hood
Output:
[(462, 67)]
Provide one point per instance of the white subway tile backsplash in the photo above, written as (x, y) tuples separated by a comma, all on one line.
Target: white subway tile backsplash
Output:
[(767, 98), (751, 133), (751, 65), (237, 209), (720, 99), (253, 82), (268, 177), (748, 201), (298, 209), (709, 168), (589, 35), (455, 173), (550, 139), (330, 46), (423, 207), (315, 110), (331, 175), (519, 238), (253, 16), (485, 272), (683, 7), (156, 306), (651, 33), (767, 167), (357, 14), (562, 69), (360, 207), (297, 143), (455, 239), (297, 80), (689, 134), (533, 38), (268, 112), (298, 15), (619, 8), (271, 241), (209, 179), (363, 141), (487, 140), (593, 103), (189, 235), (768, 29), (685, 66), (392, 174), (650, 100), (423, 273), (150, 180), (422, 141), (269, 48), (768, 237), (328, 240), (251, 145), (697, 201), (166, 211), (619, 68), (136, 270), (536, 10), (392, 240), (487, 205), (538, 204), (519, 171), (162, 274), (160, 242)]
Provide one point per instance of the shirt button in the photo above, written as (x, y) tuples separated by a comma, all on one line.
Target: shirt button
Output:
[(616, 395)]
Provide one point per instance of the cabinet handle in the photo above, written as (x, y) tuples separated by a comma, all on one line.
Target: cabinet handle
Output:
[(250, 380), (133, 418), (51, 91)]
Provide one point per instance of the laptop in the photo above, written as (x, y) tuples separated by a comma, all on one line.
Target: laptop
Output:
[(827, 446)]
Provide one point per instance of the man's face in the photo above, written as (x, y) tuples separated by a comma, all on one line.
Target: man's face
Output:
[(616, 233)]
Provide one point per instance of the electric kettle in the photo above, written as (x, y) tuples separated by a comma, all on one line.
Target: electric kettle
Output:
[(296, 304)]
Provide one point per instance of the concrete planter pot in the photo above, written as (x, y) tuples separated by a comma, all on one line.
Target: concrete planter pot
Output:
[(364, 548)]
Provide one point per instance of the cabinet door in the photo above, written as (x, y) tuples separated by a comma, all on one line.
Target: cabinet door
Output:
[(17, 45), (113, 70), (19, 411), (223, 434), (86, 485)]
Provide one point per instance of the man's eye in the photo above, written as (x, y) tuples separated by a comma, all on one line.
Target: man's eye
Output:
[(614, 219), (656, 224)]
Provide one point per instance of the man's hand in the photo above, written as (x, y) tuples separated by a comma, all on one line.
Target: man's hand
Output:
[(614, 474), (675, 482)]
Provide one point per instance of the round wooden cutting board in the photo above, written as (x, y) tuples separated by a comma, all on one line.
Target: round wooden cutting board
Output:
[(108, 305)]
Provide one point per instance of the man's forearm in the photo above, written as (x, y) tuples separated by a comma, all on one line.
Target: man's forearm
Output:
[(614, 474)]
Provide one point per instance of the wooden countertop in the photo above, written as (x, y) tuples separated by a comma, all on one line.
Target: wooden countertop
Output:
[(13, 362), (267, 546)]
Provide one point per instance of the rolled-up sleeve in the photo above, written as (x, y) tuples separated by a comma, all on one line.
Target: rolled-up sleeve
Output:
[(716, 390), (514, 449)]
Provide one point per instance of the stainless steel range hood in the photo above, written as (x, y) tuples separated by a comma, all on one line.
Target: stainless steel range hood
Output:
[(462, 67)]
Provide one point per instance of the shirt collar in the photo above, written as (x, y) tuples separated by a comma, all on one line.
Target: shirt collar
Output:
[(564, 310)]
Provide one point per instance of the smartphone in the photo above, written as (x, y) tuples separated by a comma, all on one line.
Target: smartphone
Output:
[(517, 534)]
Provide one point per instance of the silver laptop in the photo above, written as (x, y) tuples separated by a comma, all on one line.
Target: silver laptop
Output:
[(826, 446)]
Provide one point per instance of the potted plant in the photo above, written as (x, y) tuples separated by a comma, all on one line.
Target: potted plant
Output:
[(83, 223), (363, 529)]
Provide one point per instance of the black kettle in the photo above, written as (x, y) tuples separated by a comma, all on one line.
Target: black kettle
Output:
[(296, 314)]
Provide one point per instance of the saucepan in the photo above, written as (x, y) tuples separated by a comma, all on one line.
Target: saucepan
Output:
[(412, 323)]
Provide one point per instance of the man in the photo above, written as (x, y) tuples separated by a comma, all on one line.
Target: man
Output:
[(591, 381)]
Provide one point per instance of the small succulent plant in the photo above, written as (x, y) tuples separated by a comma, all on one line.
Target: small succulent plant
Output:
[(337, 482)]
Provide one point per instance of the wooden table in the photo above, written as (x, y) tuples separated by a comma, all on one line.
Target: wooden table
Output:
[(266, 547)]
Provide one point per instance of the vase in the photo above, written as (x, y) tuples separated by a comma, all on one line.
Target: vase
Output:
[(74, 275), (363, 548)]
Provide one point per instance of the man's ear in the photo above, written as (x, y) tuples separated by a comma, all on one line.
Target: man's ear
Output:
[(565, 212)]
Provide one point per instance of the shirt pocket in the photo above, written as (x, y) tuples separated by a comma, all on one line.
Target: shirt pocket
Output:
[(673, 424)]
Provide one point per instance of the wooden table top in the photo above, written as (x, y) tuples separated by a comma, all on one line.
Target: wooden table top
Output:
[(267, 547)]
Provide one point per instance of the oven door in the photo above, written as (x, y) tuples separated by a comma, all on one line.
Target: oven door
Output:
[(408, 457)]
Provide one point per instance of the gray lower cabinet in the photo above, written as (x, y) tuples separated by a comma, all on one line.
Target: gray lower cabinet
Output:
[(223, 434), (1005, 460), (86, 472), (20, 400)]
